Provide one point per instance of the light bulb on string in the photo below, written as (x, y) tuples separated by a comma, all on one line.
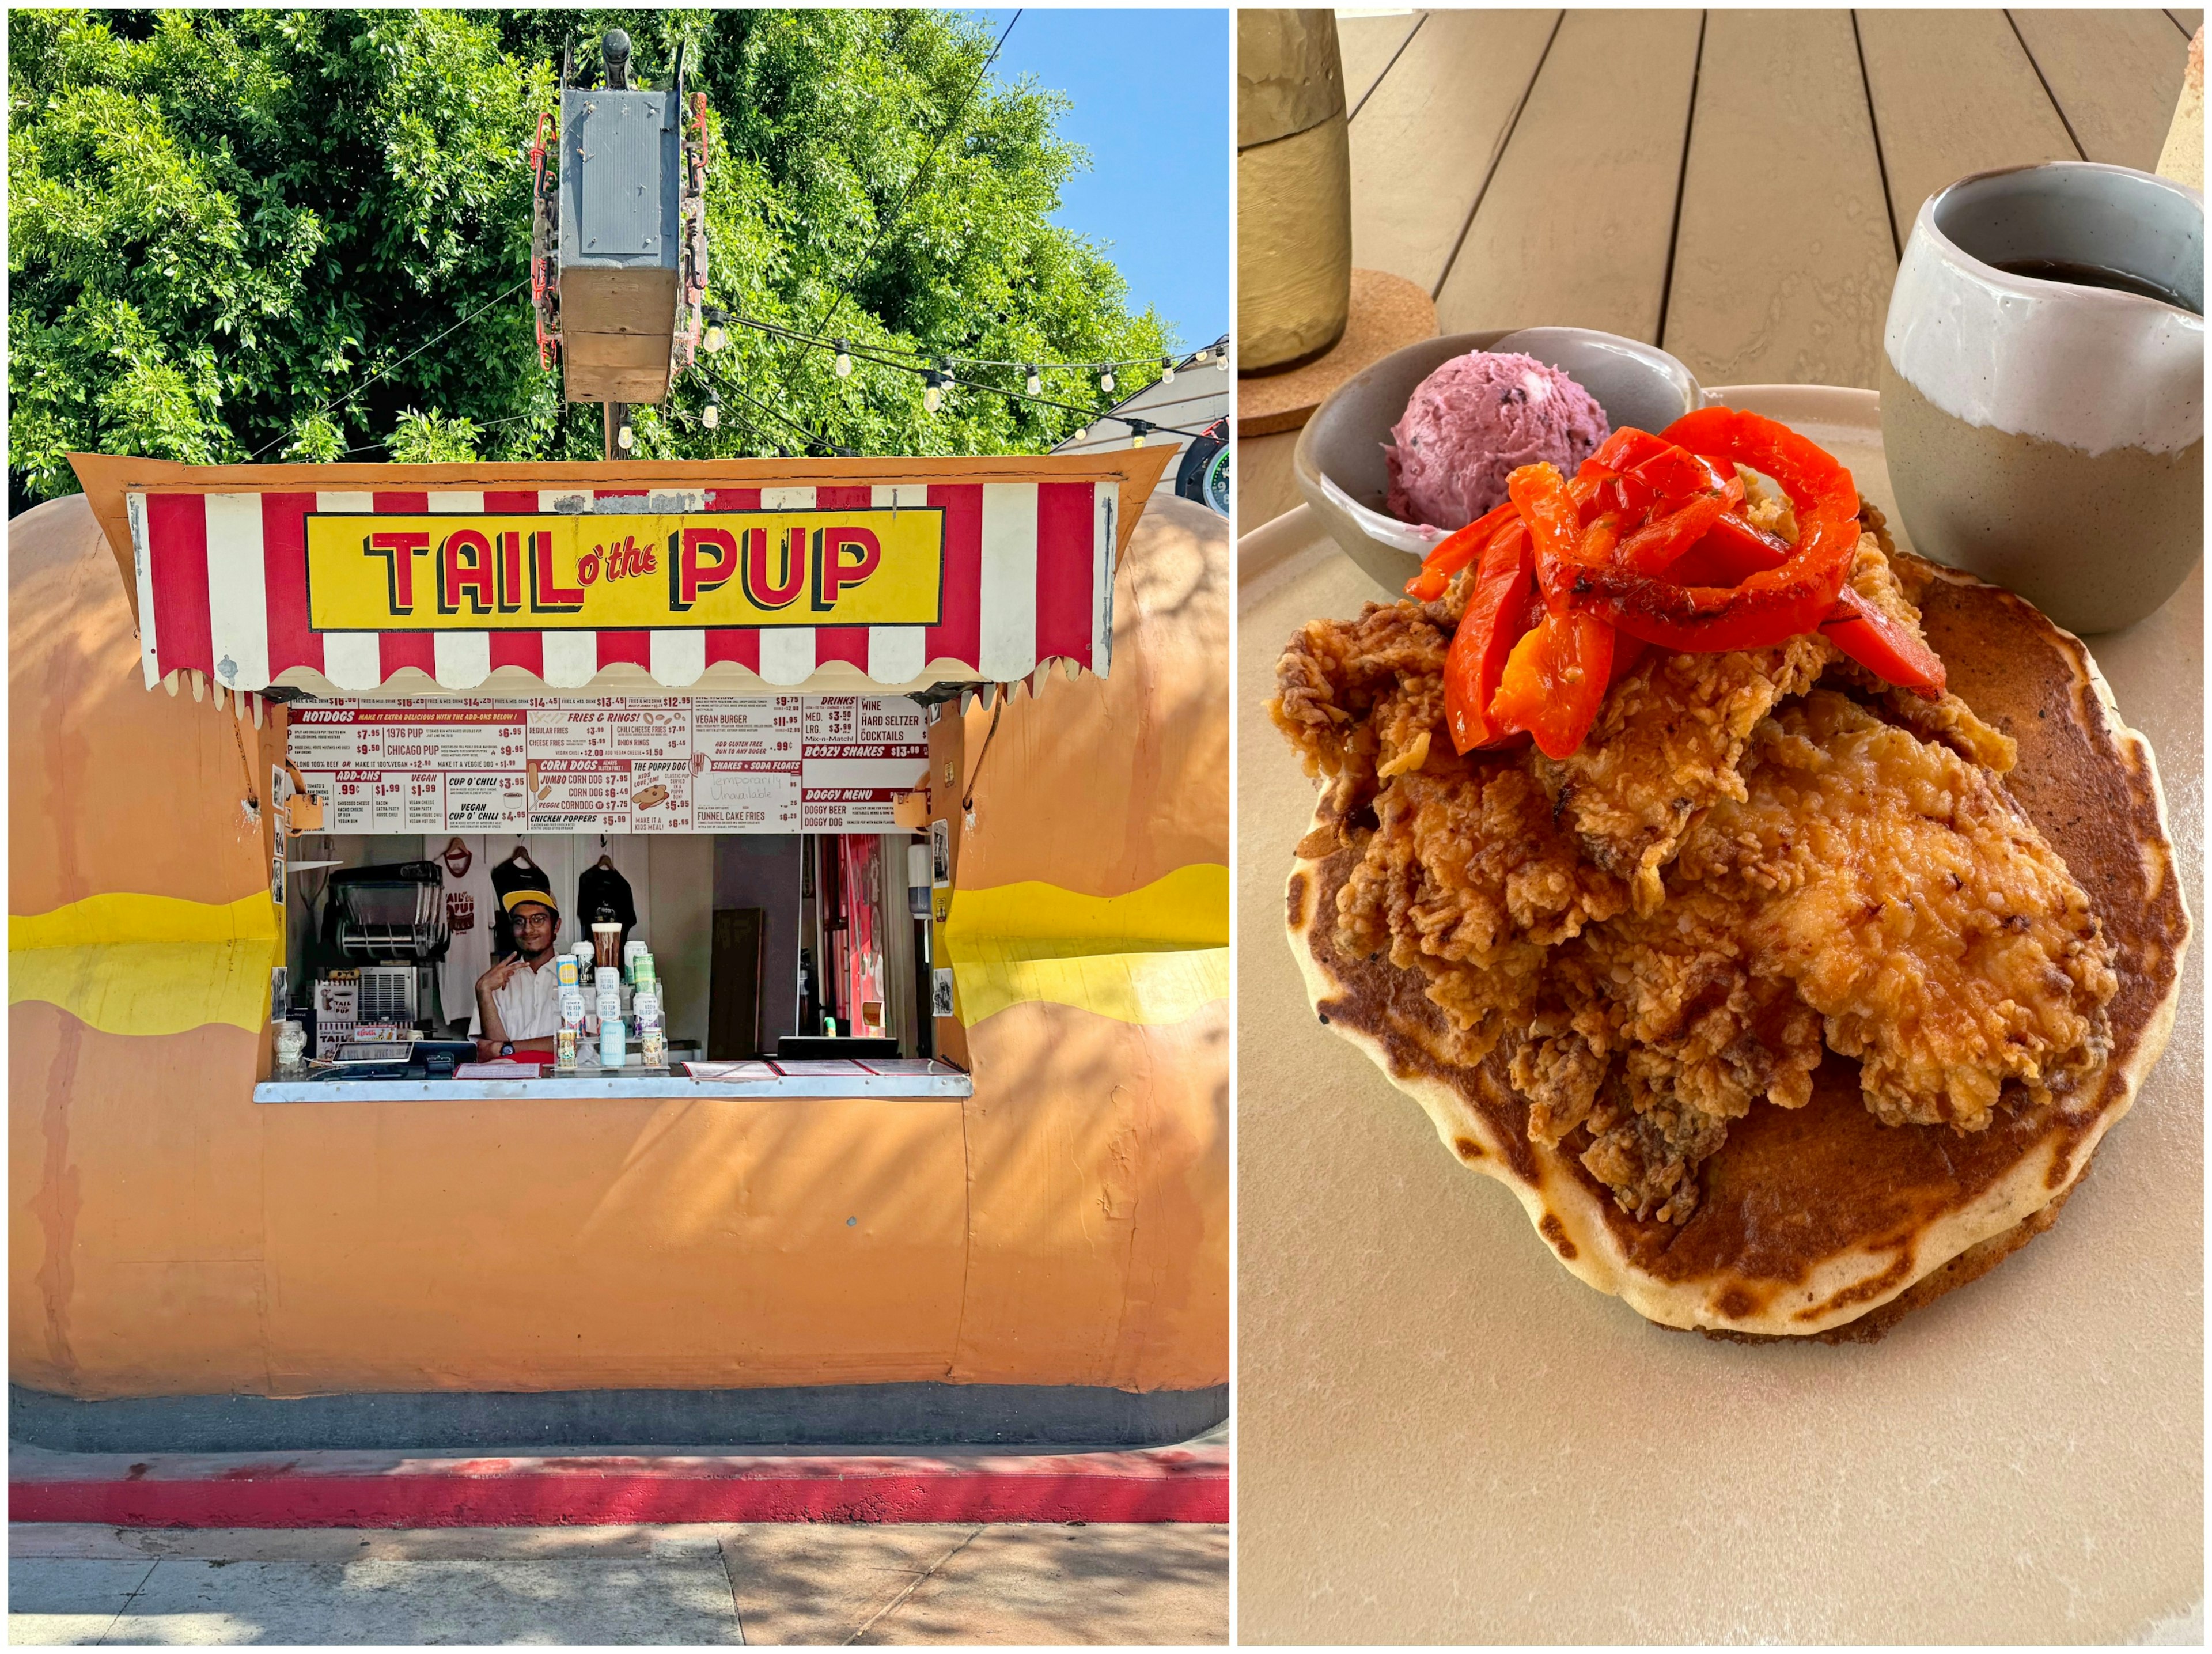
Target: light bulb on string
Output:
[(843, 366), (1036, 382), (1203, 357), (716, 338), (931, 395), (1221, 362), (1137, 430), (711, 415), (1166, 370), (625, 439), (1105, 379)]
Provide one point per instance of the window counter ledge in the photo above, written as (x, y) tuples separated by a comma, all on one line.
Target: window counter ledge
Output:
[(913, 1079)]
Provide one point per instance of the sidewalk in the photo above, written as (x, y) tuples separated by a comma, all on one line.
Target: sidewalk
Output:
[(692, 1583)]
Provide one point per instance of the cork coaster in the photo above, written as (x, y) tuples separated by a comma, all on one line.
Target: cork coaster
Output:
[(1388, 314)]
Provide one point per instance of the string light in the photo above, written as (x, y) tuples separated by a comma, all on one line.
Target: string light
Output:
[(1036, 382), (711, 415), (716, 338), (1105, 377), (907, 362), (843, 366), (1221, 362), (1137, 430), (1166, 370), (939, 381), (625, 439)]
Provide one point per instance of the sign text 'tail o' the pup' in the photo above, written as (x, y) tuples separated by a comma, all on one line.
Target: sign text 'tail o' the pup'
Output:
[(476, 572)]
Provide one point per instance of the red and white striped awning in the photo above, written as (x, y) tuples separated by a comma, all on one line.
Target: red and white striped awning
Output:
[(221, 588)]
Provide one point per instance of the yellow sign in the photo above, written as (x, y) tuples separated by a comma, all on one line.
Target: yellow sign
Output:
[(473, 573)]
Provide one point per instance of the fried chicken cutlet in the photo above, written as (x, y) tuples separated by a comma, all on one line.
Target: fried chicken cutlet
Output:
[(1736, 871)]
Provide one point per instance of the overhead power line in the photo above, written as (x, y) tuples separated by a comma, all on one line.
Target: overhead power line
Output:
[(884, 226), (355, 390)]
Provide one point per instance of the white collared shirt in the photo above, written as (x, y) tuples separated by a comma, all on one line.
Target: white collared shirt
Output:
[(529, 1005)]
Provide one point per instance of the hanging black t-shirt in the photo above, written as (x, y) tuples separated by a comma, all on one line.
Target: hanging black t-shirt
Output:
[(603, 897)]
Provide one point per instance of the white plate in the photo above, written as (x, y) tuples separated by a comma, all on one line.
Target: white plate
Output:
[(1442, 1436)]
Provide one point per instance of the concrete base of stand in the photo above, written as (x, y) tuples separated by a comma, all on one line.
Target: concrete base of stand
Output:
[(975, 1417)]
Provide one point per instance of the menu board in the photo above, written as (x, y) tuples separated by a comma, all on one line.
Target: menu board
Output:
[(756, 764)]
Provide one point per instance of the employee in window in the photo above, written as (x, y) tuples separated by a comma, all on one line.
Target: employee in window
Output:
[(519, 999)]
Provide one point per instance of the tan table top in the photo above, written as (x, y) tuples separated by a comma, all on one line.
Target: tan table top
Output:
[(1444, 1437), (1733, 185)]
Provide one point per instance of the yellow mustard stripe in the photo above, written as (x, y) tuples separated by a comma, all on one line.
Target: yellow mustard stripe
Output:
[(130, 964), (1188, 907), (1152, 956), (1152, 989), (127, 916), (149, 988)]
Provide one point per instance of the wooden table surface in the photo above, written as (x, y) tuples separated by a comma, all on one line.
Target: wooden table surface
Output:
[(1733, 185)]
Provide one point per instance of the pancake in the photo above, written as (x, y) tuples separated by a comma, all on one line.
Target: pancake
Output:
[(1821, 1221)]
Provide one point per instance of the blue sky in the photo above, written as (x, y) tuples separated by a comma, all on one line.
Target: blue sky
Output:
[(1150, 90)]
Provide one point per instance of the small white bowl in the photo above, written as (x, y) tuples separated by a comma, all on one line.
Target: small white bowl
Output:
[(1338, 462)]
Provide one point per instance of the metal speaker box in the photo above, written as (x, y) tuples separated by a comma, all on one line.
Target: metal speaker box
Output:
[(622, 181)]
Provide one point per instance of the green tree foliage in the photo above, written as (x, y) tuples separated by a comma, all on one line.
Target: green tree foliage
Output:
[(300, 234)]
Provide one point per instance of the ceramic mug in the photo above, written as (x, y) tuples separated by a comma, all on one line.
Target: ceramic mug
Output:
[(2042, 413)]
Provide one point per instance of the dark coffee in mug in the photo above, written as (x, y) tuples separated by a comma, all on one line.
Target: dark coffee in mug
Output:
[(2080, 275)]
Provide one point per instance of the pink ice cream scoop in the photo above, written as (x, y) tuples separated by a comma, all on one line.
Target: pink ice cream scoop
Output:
[(1472, 422)]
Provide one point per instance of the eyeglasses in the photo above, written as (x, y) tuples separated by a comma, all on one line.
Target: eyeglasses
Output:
[(534, 920)]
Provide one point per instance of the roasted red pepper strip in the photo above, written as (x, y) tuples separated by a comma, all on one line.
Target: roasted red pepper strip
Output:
[(1653, 474), (1561, 519), (1555, 681), (1735, 549), (1655, 548), (1625, 450), (1767, 607), (1672, 475), (1498, 615), (1556, 678), (1454, 551), (1884, 648), (1627, 653)]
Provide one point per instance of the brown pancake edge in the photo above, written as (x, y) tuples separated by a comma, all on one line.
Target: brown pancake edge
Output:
[(1821, 1222)]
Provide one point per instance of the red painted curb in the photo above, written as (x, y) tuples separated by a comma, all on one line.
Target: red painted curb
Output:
[(351, 1490)]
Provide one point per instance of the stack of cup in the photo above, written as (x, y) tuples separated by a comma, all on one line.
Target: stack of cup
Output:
[(613, 1047), (570, 979), (291, 1048), (645, 1004)]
